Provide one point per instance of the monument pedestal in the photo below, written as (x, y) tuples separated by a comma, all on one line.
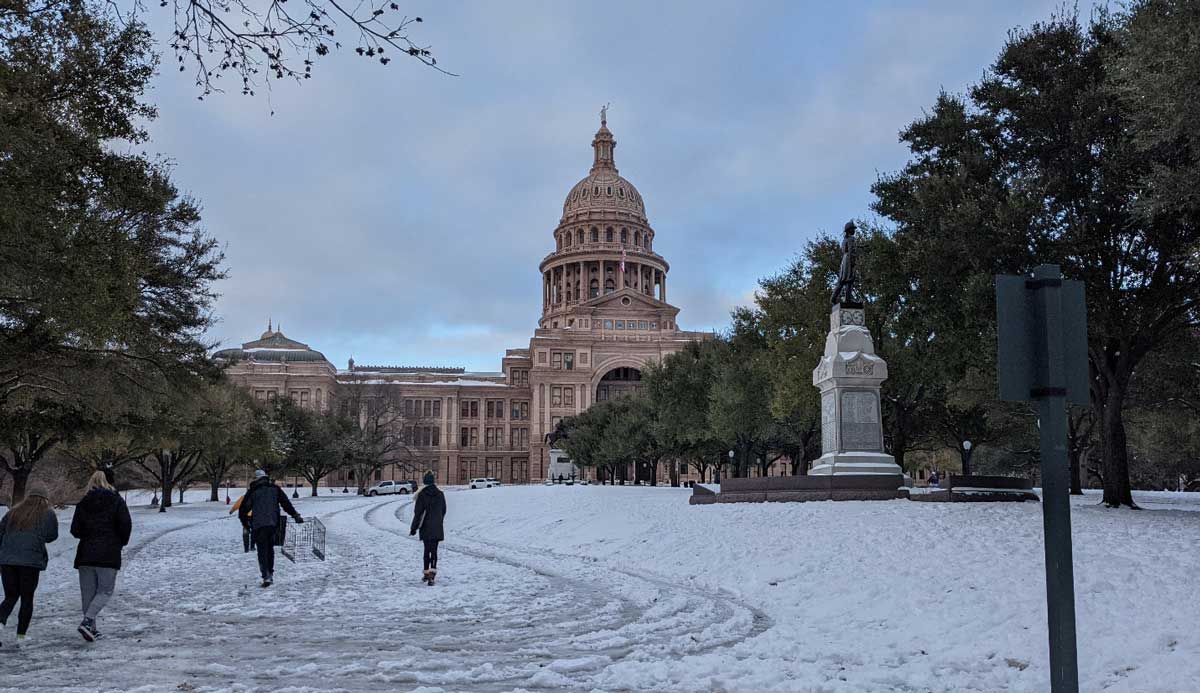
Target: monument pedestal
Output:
[(849, 377)]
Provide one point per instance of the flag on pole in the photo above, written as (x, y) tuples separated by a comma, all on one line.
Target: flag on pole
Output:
[(622, 259)]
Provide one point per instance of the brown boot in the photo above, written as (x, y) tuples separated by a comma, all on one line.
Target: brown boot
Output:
[(425, 577), (432, 576)]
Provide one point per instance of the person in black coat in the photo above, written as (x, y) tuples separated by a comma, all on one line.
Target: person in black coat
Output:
[(428, 513), (102, 526), (259, 513), (24, 532)]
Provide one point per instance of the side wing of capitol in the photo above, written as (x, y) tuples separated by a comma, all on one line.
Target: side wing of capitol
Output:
[(605, 315)]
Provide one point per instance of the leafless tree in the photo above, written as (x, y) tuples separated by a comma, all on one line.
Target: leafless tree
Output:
[(376, 436), (258, 41)]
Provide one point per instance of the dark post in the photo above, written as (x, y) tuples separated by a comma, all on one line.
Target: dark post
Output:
[(1042, 355), (1056, 483)]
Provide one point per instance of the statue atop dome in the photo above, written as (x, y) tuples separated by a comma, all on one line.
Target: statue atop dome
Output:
[(604, 114)]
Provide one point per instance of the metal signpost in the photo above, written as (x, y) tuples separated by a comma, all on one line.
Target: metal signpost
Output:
[(1042, 356)]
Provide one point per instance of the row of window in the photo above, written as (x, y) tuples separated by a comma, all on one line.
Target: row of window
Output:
[(563, 360), (562, 396), (493, 438), (421, 436), (520, 377), (428, 408), (300, 398), (640, 240), (494, 409), (515, 472)]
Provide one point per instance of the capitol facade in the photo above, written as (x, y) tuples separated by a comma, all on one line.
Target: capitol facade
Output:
[(604, 316)]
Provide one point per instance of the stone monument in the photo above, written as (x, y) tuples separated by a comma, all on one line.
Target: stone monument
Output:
[(849, 377)]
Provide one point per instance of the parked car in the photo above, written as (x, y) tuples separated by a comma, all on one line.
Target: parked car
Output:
[(584, 482), (481, 483), (408, 486), (548, 482), (383, 488), (495, 482)]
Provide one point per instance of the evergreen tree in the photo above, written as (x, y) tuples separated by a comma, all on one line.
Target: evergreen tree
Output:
[(1041, 162)]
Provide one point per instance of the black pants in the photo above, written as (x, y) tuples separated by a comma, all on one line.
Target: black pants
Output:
[(431, 554), (264, 541), (20, 582)]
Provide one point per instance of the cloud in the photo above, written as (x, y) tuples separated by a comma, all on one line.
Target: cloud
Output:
[(399, 215)]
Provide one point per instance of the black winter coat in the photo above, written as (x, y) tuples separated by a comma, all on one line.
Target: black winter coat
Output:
[(428, 514), (261, 505), (27, 547), (103, 526)]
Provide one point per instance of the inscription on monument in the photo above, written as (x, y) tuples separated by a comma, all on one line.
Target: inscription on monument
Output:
[(828, 423), (860, 422), (860, 367)]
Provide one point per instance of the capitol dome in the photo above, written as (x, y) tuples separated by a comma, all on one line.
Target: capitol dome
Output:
[(604, 190), (272, 346)]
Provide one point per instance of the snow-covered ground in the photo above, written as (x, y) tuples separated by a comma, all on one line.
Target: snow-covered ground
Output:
[(602, 588)]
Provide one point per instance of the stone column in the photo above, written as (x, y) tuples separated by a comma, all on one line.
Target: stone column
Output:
[(583, 281), (849, 377), (454, 405)]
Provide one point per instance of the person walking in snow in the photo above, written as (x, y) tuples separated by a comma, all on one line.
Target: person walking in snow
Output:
[(103, 526), (428, 513), (260, 513), (24, 532)]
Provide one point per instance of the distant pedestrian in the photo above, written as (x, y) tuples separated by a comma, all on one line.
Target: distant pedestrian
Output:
[(933, 478), (24, 532), (259, 512), (428, 513), (103, 526)]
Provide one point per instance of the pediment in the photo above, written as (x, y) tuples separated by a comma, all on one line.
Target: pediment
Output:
[(627, 299)]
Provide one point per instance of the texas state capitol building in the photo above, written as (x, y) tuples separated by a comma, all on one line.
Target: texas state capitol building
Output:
[(605, 315)]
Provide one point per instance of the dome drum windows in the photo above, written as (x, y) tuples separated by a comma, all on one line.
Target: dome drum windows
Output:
[(624, 236), (595, 235)]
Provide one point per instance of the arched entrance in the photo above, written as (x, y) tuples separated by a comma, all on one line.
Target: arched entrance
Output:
[(618, 382)]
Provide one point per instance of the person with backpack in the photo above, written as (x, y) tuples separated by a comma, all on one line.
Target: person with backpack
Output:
[(428, 513), (102, 525), (24, 532), (259, 512)]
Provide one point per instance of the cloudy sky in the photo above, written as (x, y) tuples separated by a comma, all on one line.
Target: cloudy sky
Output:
[(398, 215)]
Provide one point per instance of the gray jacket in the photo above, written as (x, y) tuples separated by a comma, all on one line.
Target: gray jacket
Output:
[(27, 547)]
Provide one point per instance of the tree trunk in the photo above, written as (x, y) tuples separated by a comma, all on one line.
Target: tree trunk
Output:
[(165, 498), (314, 487), (20, 479), (1073, 455), (214, 490), (1117, 490), (181, 490), (673, 470)]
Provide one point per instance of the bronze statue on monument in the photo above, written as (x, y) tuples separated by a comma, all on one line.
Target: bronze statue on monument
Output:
[(844, 291)]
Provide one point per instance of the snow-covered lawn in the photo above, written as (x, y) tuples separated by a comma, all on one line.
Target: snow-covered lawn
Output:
[(602, 588)]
